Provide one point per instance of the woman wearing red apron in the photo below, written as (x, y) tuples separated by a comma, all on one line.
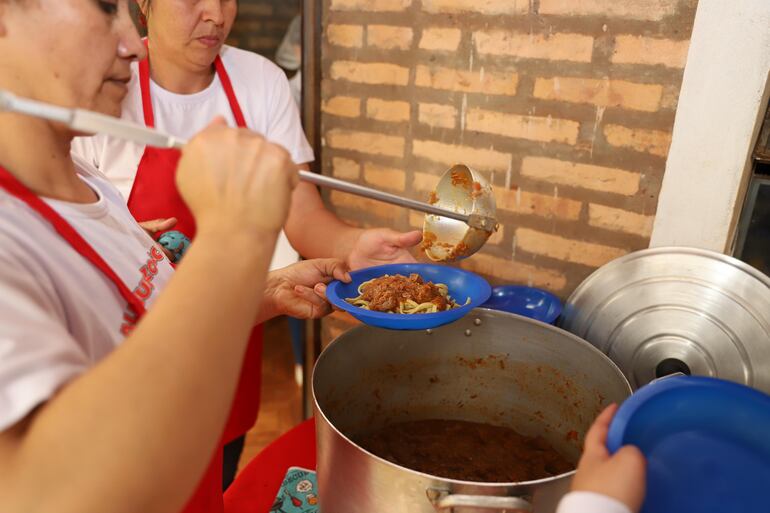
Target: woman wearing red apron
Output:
[(190, 77), (117, 373), (154, 196)]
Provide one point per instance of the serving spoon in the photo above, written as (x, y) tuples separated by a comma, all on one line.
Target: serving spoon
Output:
[(459, 220)]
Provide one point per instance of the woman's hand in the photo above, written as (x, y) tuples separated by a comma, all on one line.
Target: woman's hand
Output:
[(156, 227), (620, 476), (383, 246), (289, 291), (236, 182)]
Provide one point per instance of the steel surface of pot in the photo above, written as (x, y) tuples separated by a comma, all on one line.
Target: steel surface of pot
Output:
[(490, 367)]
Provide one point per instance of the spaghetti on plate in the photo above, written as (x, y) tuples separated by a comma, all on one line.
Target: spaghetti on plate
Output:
[(404, 295)]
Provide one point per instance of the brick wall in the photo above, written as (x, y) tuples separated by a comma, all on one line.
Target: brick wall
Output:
[(261, 24), (566, 106)]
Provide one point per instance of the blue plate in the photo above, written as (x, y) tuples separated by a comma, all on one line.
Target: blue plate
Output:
[(527, 301), (706, 442), (462, 285)]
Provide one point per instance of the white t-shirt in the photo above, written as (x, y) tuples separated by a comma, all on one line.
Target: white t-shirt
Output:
[(59, 315), (263, 94), (590, 502)]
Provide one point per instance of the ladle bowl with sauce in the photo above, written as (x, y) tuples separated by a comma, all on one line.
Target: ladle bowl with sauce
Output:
[(465, 191)]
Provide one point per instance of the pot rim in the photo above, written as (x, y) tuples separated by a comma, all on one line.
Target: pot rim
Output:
[(482, 484)]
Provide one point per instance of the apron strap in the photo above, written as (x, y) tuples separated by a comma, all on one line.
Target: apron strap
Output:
[(17, 189), (224, 78), (230, 92), (144, 85)]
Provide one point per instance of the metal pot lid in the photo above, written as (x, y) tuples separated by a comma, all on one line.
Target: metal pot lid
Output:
[(664, 310)]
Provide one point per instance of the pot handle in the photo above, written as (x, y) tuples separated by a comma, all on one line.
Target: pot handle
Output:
[(442, 499)]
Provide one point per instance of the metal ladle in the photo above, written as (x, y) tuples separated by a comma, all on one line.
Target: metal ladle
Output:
[(457, 224)]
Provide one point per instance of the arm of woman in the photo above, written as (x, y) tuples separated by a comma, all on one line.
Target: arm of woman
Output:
[(316, 232), (606, 483), (157, 405)]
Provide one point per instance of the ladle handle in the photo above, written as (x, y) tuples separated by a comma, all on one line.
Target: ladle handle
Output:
[(366, 192), (95, 123)]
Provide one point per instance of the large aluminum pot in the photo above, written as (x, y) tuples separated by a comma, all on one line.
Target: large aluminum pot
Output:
[(491, 367)]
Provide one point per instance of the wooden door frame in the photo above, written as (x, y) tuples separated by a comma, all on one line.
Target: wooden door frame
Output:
[(311, 121)]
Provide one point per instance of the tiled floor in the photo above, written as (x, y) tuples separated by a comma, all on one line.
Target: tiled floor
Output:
[(281, 406)]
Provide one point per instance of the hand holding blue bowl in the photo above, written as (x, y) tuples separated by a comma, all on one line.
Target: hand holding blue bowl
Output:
[(463, 285)]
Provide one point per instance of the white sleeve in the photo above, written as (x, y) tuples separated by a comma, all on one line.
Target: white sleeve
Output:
[(87, 149), (590, 502), (37, 353), (284, 126)]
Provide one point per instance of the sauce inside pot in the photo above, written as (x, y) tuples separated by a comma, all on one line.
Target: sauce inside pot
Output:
[(467, 451)]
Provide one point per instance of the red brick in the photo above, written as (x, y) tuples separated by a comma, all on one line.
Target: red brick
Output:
[(450, 154), (476, 6), (365, 142), (384, 177), (515, 272), (389, 37), (650, 50), (351, 36), (620, 220), (653, 10), (655, 142), (555, 47), (383, 110), (345, 169), (587, 176), (437, 115), (569, 250), (425, 182), (370, 72), (378, 208), (523, 127), (344, 106), (603, 93), (438, 39), (541, 205), (502, 83)]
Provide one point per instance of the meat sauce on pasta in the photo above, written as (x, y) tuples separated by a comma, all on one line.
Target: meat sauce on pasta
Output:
[(405, 295)]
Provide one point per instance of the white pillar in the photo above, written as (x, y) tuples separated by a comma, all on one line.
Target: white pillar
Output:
[(723, 98)]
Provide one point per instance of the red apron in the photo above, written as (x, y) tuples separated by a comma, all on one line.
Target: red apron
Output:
[(208, 495), (153, 196)]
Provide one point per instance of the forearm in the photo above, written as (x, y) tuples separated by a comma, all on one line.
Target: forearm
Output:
[(268, 309), (138, 429), (314, 231)]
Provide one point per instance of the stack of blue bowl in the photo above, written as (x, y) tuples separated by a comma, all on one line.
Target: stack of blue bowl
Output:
[(525, 301)]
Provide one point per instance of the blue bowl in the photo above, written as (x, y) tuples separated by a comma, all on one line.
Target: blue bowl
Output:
[(462, 285), (706, 443), (527, 301)]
